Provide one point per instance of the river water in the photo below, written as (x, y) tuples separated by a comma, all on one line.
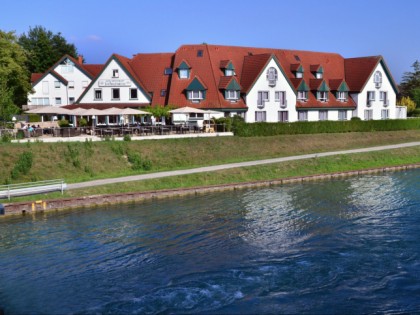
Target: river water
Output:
[(344, 246)]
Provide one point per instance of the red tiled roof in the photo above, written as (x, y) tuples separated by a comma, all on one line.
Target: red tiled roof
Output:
[(151, 69), (225, 81), (253, 65), (335, 84), (36, 76), (358, 71), (93, 69), (314, 84)]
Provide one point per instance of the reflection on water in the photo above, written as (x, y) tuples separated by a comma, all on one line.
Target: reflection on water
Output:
[(345, 246)]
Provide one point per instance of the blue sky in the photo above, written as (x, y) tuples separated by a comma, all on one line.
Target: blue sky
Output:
[(351, 28)]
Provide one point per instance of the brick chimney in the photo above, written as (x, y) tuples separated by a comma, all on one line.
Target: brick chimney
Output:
[(80, 59)]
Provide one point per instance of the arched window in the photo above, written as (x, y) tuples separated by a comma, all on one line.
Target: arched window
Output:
[(272, 76)]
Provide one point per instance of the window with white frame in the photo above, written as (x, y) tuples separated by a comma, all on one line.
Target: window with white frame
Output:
[(195, 96), (57, 84), (115, 73), (272, 76), (184, 73), (58, 101), (229, 72), (383, 96), (115, 94), (342, 96), (342, 115), (40, 101), (133, 94), (385, 114), (280, 96), (299, 74), (260, 116), (232, 95), (283, 116), (319, 75), (322, 96), (303, 115), (302, 95), (368, 114), (323, 115), (71, 84), (98, 94), (370, 97), (263, 96), (377, 78)]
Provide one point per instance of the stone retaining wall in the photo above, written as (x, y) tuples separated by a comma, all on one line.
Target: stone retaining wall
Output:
[(99, 200)]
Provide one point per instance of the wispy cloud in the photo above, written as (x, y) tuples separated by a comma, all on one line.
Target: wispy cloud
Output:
[(94, 38)]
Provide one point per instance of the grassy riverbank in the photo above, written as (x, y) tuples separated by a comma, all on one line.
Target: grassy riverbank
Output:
[(77, 162)]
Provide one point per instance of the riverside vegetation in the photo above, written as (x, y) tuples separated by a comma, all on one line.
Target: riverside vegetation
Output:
[(83, 161)]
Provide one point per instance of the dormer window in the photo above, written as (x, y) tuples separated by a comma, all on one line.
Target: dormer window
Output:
[(322, 96), (229, 72), (299, 74), (377, 78), (302, 96), (318, 71), (232, 95), (319, 75), (184, 70), (184, 73), (272, 76), (196, 91), (342, 96)]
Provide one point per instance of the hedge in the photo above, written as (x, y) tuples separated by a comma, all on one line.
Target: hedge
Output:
[(303, 127)]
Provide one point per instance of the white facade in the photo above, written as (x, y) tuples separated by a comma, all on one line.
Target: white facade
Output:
[(51, 90), (114, 85), (274, 107), (380, 105)]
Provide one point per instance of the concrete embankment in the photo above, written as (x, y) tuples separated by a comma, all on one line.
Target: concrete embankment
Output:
[(29, 207)]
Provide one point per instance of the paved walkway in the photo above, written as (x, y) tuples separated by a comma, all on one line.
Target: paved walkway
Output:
[(234, 165)]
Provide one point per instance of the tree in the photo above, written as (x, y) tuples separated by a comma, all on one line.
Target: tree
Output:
[(159, 111), (45, 48), (407, 102), (410, 82), (14, 77)]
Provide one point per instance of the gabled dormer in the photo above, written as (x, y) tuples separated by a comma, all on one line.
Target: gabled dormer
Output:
[(184, 70), (320, 88), (231, 88), (227, 67), (318, 71), (340, 88), (302, 91), (297, 70), (196, 91)]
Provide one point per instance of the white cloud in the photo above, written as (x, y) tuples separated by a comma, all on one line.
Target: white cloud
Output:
[(94, 38)]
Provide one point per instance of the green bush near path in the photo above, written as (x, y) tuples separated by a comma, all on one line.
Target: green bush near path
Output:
[(304, 127)]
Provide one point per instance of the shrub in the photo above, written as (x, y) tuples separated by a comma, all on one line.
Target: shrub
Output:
[(63, 123), (23, 165), (127, 138), (272, 129), (6, 137), (82, 122), (137, 163)]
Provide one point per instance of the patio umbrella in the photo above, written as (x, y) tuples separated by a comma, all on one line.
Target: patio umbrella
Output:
[(132, 111), (50, 110), (187, 110)]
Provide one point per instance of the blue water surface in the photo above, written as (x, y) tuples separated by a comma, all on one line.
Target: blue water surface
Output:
[(344, 246)]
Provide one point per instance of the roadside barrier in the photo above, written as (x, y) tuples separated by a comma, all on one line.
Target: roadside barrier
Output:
[(33, 188)]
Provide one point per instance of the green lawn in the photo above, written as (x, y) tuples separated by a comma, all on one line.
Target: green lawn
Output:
[(77, 162)]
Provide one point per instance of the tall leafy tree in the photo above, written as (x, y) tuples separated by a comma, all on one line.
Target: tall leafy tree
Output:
[(45, 48), (14, 76), (410, 83)]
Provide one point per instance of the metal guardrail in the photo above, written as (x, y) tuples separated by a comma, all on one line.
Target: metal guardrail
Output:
[(33, 188)]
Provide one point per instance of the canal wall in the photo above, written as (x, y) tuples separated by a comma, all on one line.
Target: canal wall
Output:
[(30, 207)]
